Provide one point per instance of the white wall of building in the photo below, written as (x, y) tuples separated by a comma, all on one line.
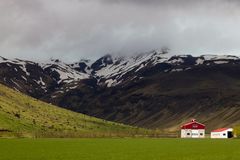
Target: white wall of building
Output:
[(192, 133), (223, 134)]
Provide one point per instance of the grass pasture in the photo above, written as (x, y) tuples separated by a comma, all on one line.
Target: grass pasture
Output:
[(119, 149), (23, 116)]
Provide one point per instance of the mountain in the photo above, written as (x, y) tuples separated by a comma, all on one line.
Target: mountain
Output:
[(153, 90), (24, 116)]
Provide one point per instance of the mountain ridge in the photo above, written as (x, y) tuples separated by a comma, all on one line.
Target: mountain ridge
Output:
[(109, 69), (152, 90)]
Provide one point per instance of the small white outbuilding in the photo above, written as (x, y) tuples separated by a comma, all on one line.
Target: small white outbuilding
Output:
[(222, 133)]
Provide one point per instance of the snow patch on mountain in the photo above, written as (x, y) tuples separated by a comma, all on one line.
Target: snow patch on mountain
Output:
[(219, 57), (199, 61), (123, 65), (220, 62), (66, 73)]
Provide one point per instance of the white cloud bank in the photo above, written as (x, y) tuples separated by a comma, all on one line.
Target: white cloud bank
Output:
[(73, 29)]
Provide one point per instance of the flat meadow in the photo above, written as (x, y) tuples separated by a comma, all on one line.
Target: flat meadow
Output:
[(119, 149)]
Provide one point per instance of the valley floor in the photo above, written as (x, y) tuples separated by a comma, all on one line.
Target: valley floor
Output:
[(119, 149)]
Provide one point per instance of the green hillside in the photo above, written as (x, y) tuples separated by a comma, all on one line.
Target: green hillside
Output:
[(23, 116)]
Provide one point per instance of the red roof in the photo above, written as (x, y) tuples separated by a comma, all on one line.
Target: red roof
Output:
[(220, 130), (193, 125)]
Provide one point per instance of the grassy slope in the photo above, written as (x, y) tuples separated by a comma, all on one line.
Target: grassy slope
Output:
[(24, 115), (119, 149)]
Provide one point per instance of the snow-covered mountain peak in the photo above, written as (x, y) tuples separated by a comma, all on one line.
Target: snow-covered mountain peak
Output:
[(112, 70)]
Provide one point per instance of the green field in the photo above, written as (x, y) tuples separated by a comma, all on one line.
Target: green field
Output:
[(119, 149)]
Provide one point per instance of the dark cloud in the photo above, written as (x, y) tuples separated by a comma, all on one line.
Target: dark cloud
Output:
[(180, 3), (72, 29)]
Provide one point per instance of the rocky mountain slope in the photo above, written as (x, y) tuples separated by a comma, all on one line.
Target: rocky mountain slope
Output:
[(153, 89)]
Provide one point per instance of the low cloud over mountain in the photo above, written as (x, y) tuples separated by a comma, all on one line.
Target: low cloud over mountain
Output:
[(72, 29)]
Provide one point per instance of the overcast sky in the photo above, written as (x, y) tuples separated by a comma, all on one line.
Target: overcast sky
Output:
[(75, 29)]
